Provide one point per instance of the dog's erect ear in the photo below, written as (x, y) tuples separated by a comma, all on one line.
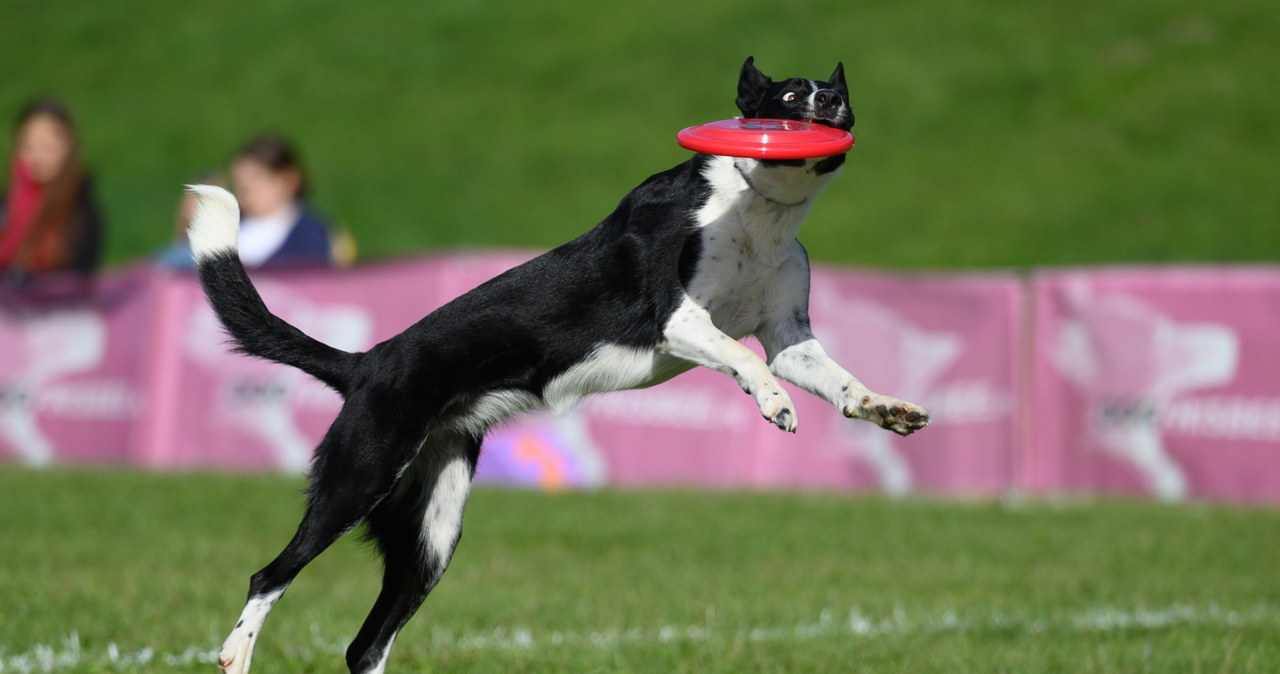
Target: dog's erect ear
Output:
[(837, 82), (751, 87)]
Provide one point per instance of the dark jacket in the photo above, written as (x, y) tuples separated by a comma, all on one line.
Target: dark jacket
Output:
[(306, 246)]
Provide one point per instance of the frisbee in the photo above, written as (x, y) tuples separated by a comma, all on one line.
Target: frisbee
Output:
[(765, 139)]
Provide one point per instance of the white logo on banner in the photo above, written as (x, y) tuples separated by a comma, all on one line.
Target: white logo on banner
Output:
[(52, 346), (670, 407), (263, 398), (892, 355), (1132, 361)]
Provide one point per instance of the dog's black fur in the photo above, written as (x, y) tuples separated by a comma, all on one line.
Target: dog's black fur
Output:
[(419, 403)]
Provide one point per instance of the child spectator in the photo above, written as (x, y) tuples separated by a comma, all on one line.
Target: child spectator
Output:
[(277, 229)]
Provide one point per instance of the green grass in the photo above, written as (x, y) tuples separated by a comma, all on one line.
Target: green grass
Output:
[(657, 581), (990, 133)]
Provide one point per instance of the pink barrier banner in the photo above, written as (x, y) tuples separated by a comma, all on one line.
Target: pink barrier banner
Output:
[(1159, 382), (1131, 381), (183, 401), (949, 342), (72, 372), (952, 346)]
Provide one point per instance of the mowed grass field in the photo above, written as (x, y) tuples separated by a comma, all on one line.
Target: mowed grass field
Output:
[(119, 571)]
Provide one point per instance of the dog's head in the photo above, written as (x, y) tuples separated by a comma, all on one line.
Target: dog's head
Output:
[(796, 98)]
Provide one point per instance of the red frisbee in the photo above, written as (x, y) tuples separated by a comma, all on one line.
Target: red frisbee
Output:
[(765, 139)]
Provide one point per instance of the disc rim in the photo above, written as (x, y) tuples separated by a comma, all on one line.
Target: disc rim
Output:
[(764, 138)]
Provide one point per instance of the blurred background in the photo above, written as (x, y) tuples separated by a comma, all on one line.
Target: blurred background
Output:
[(997, 141), (992, 134)]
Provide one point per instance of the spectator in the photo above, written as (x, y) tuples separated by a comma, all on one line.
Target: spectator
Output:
[(49, 221), (277, 229)]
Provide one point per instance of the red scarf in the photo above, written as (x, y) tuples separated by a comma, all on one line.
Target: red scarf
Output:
[(25, 198)]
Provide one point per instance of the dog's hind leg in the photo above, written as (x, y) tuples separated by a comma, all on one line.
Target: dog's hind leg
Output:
[(417, 529), (356, 467)]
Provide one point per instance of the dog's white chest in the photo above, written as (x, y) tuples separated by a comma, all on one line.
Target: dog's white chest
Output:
[(734, 287), (749, 241)]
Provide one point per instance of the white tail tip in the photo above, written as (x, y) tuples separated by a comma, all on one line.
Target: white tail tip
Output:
[(216, 223)]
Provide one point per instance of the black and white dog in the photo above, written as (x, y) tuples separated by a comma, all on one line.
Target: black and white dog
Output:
[(690, 261)]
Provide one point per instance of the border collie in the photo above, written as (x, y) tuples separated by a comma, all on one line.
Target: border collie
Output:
[(692, 260)]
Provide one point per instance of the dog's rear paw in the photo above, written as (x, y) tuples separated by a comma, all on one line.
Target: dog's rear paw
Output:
[(236, 653), (899, 416)]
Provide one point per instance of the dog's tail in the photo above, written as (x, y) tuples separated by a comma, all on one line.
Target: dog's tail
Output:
[(256, 331)]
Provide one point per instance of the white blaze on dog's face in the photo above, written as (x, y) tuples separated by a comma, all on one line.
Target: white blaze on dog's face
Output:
[(795, 98)]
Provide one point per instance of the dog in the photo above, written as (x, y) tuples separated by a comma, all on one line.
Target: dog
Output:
[(692, 260)]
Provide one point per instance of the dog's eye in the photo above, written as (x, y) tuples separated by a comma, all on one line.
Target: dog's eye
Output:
[(789, 96)]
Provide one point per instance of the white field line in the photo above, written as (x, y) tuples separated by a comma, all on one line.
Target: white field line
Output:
[(68, 653)]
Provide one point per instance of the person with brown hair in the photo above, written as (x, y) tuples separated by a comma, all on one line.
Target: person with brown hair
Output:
[(49, 221), (277, 228)]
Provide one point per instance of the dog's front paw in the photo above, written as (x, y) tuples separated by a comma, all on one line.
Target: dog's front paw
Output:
[(899, 416), (777, 408)]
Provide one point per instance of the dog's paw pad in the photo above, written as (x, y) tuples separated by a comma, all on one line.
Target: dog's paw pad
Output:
[(785, 420), (899, 416)]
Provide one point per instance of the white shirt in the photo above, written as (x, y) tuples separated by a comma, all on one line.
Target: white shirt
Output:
[(262, 235)]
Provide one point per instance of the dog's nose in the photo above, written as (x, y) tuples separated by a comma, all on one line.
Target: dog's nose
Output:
[(826, 98)]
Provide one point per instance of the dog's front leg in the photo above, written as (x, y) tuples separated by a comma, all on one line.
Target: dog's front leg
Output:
[(691, 335), (796, 356)]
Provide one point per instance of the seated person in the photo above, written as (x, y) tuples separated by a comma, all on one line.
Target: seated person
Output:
[(49, 221), (277, 229)]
